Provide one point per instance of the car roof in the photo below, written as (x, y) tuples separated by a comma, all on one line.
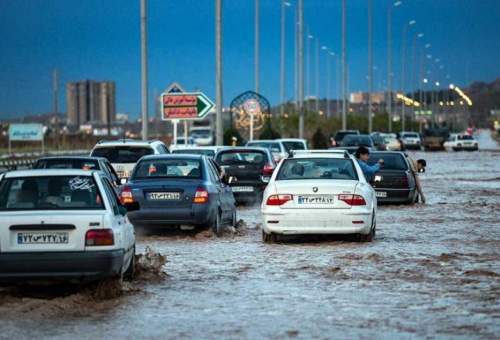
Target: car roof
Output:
[(134, 142), (245, 148), (185, 156), (86, 158), (264, 141), (291, 140), (197, 147), (328, 153), (48, 172)]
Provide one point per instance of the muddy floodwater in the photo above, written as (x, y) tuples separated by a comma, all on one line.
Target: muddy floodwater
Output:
[(433, 270)]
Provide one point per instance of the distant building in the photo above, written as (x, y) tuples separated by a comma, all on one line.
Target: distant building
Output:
[(91, 102), (362, 97)]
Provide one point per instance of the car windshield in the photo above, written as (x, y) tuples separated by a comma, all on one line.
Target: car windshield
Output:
[(206, 152), (167, 168), (392, 161), (50, 193), (274, 147), (410, 135), (204, 132), (377, 140), (356, 140), (122, 154), (465, 137), (293, 145), (317, 168), (242, 157), (68, 163)]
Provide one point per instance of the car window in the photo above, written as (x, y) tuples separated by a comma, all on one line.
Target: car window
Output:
[(317, 168), (112, 196), (112, 172), (167, 168), (206, 152), (242, 157), (392, 161), (122, 154), (213, 173), (356, 140), (50, 193), (465, 137), (162, 148), (67, 163), (274, 147), (293, 145)]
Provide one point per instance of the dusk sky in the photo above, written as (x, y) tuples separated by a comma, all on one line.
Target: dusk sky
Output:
[(96, 39)]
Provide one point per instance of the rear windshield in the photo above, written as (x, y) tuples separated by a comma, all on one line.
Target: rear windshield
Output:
[(167, 168), (122, 154), (391, 161), (339, 136), (378, 140), (293, 146), (410, 135), (242, 157), (205, 152), (465, 137), (200, 132), (274, 147), (67, 164), (317, 168), (356, 140), (50, 193)]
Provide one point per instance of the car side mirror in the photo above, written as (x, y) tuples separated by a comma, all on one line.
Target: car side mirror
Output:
[(132, 206), (122, 181)]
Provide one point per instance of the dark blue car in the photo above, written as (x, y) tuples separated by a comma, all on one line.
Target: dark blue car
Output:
[(178, 190)]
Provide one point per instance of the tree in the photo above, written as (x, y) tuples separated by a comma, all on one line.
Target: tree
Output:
[(268, 132), (319, 140)]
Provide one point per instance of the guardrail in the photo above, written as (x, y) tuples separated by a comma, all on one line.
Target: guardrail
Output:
[(26, 160)]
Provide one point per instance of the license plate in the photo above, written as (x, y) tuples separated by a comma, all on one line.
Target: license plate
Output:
[(315, 199), (381, 194), (164, 196), (242, 189), (43, 238)]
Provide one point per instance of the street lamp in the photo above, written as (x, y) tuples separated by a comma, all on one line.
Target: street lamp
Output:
[(284, 4), (389, 61), (403, 56)]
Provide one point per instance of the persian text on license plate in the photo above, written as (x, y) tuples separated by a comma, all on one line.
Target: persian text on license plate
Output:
[(43, 238), (315, 199), (381, 194), (164, 196), (242, 189)]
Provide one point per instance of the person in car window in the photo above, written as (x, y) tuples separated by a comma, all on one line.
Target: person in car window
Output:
[(362, 155), (416, 167)]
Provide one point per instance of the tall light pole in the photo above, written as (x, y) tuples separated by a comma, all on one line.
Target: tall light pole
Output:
[(344, 67), (218, 73), (55, 105), (296, 57), (414, 67), (370, 68), (301, 68), (284, 4), (403, 64), (317, 75), (256, 50), (389, 62), (144, 70), (308, 66)]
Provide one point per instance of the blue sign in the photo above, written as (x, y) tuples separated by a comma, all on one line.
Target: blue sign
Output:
[(25, 132)]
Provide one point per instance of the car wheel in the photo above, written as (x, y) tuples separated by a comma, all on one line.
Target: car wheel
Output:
[(129, 273), (371, 235), (269, 238), (217, 224)]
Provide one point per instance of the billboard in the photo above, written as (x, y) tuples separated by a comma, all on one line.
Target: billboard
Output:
[(25, 132)]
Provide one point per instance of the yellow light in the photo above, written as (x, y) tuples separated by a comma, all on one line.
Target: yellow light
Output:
[(441, 103), (463, 95)]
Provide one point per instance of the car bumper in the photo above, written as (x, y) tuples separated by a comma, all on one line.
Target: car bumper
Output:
[(395, 196), (324, 221), (197, 215), (81, 266)]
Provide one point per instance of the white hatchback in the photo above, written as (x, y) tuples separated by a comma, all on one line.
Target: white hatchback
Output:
[(319, 192), (63, 224)]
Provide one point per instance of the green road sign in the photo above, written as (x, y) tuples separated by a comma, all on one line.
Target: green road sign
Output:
[(186, 105)]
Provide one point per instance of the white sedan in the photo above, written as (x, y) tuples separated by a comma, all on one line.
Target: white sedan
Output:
[(460, 141), (319, 192), (63, 224)]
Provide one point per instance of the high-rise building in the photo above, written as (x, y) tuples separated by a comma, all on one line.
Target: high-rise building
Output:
[(91, 102)]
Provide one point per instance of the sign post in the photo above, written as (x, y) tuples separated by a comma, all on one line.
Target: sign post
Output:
[(26, 133)]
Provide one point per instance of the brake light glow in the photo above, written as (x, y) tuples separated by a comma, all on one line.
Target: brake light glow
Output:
[(279, 199), (268, 170), (352, 199), (201, 196), (126, 196), (99, 237)]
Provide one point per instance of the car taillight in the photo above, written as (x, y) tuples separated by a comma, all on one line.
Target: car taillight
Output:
[(126, 196), (352, 199), (279, 199), (201, 196), (99, 237), (267, 170)]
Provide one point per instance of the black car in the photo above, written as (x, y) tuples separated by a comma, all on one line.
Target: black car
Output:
[(339, 136), (395, 182), (378, 142), (357, 141), (79, 162), (179, 190), (248, 169)]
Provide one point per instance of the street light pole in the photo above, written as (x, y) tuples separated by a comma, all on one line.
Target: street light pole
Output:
[(403, 62), (282, 57), (218, 74), (317, 75), (344, 68), (301, 68), (389, 62), (370, 68), (144, 71), (256, 56)]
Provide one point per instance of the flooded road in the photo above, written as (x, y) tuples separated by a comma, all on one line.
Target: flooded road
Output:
[(433, 270)]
